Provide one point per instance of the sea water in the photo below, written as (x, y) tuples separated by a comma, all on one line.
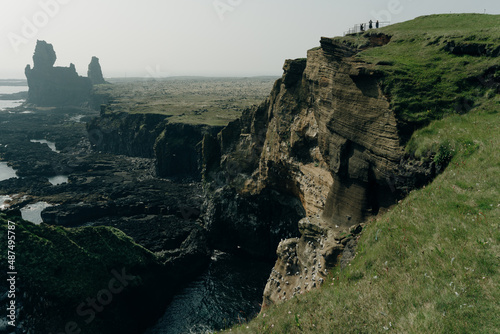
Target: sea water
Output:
[(33, 212), (6, 172), (11, 90), (50, 144), (58, 179), (228, 292)]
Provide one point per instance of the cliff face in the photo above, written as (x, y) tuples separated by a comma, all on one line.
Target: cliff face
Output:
[(327, 140), (175, 147), (358, 134)]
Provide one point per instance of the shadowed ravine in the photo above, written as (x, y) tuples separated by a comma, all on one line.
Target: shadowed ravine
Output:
[(229, 291)]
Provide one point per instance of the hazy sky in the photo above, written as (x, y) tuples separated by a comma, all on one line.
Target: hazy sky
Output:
[(192, 37)]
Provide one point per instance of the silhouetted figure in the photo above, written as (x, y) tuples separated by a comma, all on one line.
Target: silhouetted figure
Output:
[(370, 25), (376, 24), (362, 27)]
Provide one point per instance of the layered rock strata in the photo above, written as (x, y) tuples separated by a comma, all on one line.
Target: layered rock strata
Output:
[(327, 138)]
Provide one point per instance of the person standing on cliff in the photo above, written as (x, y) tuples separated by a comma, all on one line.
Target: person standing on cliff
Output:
[(376, 24), (362, 27), (370, 25)]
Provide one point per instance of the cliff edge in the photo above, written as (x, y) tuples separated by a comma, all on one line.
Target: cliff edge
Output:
[(332, 142)]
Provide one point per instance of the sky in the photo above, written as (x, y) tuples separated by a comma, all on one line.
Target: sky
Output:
[(161, 38)]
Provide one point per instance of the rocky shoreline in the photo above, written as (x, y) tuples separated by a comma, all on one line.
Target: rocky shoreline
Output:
[(103, 189), (137, 174)]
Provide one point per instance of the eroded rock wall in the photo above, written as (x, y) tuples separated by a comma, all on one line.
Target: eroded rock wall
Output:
[(175, 147), (326, 137), (358, 135), (265, 169)]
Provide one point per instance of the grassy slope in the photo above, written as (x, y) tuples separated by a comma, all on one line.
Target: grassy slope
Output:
[(75, 256), (74, 264), (431, 264), (425, 82)]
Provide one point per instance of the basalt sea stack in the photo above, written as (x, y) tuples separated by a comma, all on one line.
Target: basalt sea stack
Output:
[(55, 86), (95, 73)]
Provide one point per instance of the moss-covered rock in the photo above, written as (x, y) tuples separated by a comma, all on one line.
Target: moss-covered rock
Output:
[(94, 278)]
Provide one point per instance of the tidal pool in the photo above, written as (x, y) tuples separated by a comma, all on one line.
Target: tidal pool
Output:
[(50, 144), (6, 172), (58, 179), (33, 212)]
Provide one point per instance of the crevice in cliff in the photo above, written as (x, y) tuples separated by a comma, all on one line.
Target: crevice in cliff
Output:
[(303, 150), (367, 84), (376, 198), (378, 39)]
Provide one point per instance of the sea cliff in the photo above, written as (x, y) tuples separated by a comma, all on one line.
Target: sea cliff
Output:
[(331, 143)]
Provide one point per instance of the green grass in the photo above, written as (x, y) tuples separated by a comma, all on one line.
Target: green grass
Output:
[(74, 260), (430, 264), (210, 101), (425, 82), (59, 268)]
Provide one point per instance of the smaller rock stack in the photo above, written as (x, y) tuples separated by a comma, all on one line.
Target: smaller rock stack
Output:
[(95, 73)]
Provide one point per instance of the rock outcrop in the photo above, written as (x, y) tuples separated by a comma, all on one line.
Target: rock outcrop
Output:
[(472, 49), (303, 263), (54, 86), (95, 73), (174, 146), (328, 141)]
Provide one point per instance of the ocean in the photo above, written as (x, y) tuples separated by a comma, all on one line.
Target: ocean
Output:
[(11, 90), (228, 292)]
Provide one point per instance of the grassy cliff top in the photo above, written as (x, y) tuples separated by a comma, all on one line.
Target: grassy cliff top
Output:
[(435, 65), (191, 100), (431, 264)]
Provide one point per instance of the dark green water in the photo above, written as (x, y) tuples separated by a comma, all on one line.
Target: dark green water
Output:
[(229, 292)]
